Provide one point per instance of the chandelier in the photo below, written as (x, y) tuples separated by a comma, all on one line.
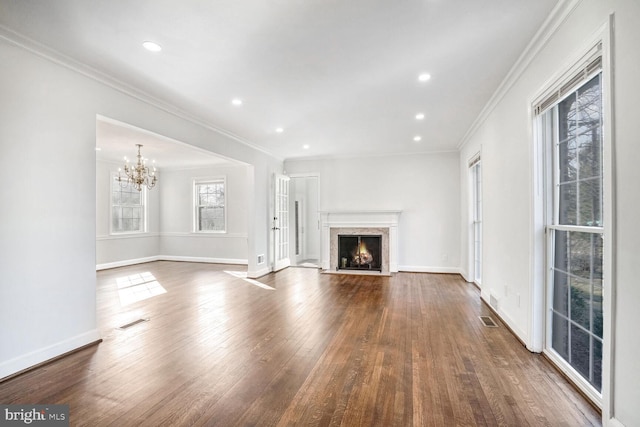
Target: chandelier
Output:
[(137, 175)]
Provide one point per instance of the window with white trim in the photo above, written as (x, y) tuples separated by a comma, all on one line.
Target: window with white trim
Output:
[(475, 169), (210, 205), (128, 208), (570, 122)]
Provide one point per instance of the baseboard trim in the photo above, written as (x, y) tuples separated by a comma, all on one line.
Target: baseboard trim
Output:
[(207, 260), (258, 273), (19, 365), (612, 422), (506, 321), (135, 261), (126, 262), (424, 269)]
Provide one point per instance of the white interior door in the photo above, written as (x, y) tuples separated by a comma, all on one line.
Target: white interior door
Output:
[(280, 225)]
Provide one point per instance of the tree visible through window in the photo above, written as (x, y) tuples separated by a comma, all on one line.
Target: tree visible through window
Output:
[(577, 231), (127, 208), (210, 206)]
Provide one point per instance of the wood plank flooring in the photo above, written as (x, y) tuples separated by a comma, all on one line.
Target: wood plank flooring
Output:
[(319, 349)]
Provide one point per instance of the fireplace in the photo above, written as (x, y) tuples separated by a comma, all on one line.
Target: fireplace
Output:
[(382, 225), (359, 252)]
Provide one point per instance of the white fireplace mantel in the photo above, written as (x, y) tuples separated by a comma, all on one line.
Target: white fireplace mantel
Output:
[(360, 219)]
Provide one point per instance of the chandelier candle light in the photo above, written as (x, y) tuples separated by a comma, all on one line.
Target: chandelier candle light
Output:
[(138, 175)]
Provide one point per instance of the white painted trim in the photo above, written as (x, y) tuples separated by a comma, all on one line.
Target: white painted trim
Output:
[(204, 234), (128, 236), (368, 155), (174, 234), (507, 320), (574, 376), (426, 269), (203, 181), (612, 422), (556, 18), (539, 245), (207, 260), (135, 261), (258, 273), (20, 363), (609, 215), (126, 262), (56, 57), (359, 219)]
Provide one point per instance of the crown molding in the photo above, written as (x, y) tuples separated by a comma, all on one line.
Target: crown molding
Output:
[(367, 155), (556, 18), (50, 54)]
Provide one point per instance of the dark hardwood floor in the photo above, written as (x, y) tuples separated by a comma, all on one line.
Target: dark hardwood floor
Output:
[(320, 349)]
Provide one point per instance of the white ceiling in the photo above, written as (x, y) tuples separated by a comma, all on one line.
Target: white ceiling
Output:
[(116, 140), (337, 75)]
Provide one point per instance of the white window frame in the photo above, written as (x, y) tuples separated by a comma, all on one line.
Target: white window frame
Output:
[(475, 219), (541, 157), (204, 181), (144, 203)]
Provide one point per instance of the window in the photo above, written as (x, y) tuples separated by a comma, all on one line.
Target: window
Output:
[(210, 203), (127, 208), (476, 193), (572, 129)]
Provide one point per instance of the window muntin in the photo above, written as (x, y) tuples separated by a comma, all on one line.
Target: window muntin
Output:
[(476, 183), (576, 233), (128, 208), (210, 206)]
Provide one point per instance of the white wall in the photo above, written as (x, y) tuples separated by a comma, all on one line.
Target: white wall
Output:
[(424, 186), (176, 206), (48, 227), (506, 142)]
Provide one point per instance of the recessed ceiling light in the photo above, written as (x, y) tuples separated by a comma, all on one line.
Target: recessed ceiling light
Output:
[(424, 77), (152, 46), (305, 146), (419, 116), (236, 101), (417, 138), (279, 130), (98, 149)]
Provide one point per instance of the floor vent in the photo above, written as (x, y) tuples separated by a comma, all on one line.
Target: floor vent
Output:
[(130, 324), (488, 322)]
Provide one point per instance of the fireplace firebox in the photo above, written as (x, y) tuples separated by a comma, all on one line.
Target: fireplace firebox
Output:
[(359, 252)]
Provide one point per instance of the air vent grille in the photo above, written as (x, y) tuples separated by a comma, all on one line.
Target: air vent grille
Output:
[(130, 324), (488, 322)]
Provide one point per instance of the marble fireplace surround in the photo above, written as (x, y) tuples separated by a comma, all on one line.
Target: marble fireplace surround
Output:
[(382, 223)]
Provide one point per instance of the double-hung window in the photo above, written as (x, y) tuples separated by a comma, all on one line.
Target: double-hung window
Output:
[(570, 120), (475, 169), (210, 205), (128, 208)]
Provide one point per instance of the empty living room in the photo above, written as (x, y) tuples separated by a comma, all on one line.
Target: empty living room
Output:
[(272, 213)]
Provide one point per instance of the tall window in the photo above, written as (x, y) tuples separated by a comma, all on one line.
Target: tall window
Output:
[(476, 191), (573, 128), (210, 202), (127, 208)]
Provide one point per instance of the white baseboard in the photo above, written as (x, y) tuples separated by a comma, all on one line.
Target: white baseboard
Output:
[(126, 262), (424, 269), (612, 422), (20, 363), (208, 260), (258, 273), (506, 319)]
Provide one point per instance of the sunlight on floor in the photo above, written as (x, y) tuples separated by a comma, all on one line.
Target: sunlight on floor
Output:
[(138, 287), (243, 275)]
